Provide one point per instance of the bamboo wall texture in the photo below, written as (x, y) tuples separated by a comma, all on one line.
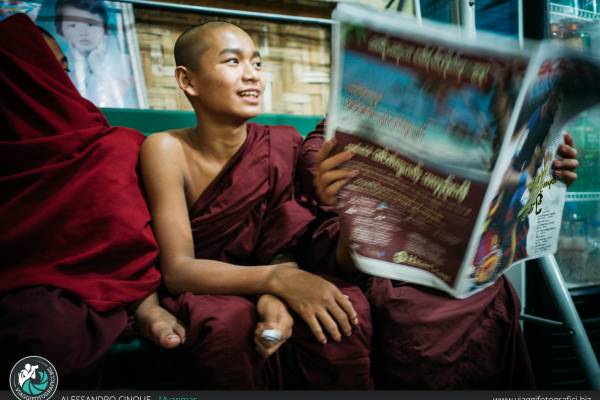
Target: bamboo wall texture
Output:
[(296, 61)]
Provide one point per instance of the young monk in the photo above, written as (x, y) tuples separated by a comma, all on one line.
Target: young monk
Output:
[(423, 338), (78, 254), (224, 212)]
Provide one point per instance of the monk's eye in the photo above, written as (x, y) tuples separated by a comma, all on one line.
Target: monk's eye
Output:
[(233, 61), (257, 64)]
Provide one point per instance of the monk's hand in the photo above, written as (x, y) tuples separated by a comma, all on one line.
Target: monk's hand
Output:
[(158, 325), (319, 303), (274, 318), (564, 167), (329, 178)]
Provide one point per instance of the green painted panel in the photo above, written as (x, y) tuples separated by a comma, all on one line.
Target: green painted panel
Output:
[(149, 121)]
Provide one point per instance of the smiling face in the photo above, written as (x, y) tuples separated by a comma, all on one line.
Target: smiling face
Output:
[(82, 29), (227, 79)]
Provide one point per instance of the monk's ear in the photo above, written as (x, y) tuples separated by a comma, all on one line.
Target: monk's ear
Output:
[(185, 80)]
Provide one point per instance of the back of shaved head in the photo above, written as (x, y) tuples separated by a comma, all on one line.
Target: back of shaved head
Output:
[(191, 43)]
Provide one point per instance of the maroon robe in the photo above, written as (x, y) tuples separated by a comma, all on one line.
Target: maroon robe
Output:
[(246, 216), (75, 233), (423, 338)]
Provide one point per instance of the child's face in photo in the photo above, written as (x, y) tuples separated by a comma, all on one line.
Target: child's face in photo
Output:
[(82, 29)]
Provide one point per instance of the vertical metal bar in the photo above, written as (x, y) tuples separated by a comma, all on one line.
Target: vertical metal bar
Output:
[(520, 19), (570, 316), (516, 276), (417, 5), (455, 12), (467, 16)]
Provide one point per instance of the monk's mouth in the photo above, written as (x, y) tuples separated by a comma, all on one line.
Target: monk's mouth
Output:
[(250, 96)]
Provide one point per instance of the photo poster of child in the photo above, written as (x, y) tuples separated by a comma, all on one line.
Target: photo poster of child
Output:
[(10, 7), (100, 42)]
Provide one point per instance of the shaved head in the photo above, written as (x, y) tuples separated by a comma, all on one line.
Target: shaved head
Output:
[(219, 70), (191, 43)]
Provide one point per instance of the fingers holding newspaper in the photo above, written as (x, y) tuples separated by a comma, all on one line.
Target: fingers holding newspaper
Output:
[(565, 167), (330, 178)]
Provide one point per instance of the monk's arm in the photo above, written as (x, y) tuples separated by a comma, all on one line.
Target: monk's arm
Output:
[(320, 303), (161, 162), (328, 179), (342, 253)]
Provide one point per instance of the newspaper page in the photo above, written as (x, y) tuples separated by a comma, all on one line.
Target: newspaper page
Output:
[(523, 219), (426, 112)]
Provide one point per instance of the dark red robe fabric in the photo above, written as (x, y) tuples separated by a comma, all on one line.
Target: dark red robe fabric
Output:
[(246, 216), (72, 214), (423, 338), (52, 323), (249, 213), (75, 239)]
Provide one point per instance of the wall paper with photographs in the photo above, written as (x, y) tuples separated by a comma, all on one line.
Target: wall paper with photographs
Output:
[(295, 60), (100, 42)]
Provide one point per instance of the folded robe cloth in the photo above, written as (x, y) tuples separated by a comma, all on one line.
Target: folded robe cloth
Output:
[(249, 213), (72, 212)]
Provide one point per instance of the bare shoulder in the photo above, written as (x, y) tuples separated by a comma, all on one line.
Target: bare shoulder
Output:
[(165, 147), (167, 143), (163, 154)]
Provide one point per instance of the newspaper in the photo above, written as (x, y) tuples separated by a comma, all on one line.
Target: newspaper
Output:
[(453, 138)]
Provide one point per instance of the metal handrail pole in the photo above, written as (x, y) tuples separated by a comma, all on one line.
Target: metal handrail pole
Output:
[(570, 316), (543, 321)]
